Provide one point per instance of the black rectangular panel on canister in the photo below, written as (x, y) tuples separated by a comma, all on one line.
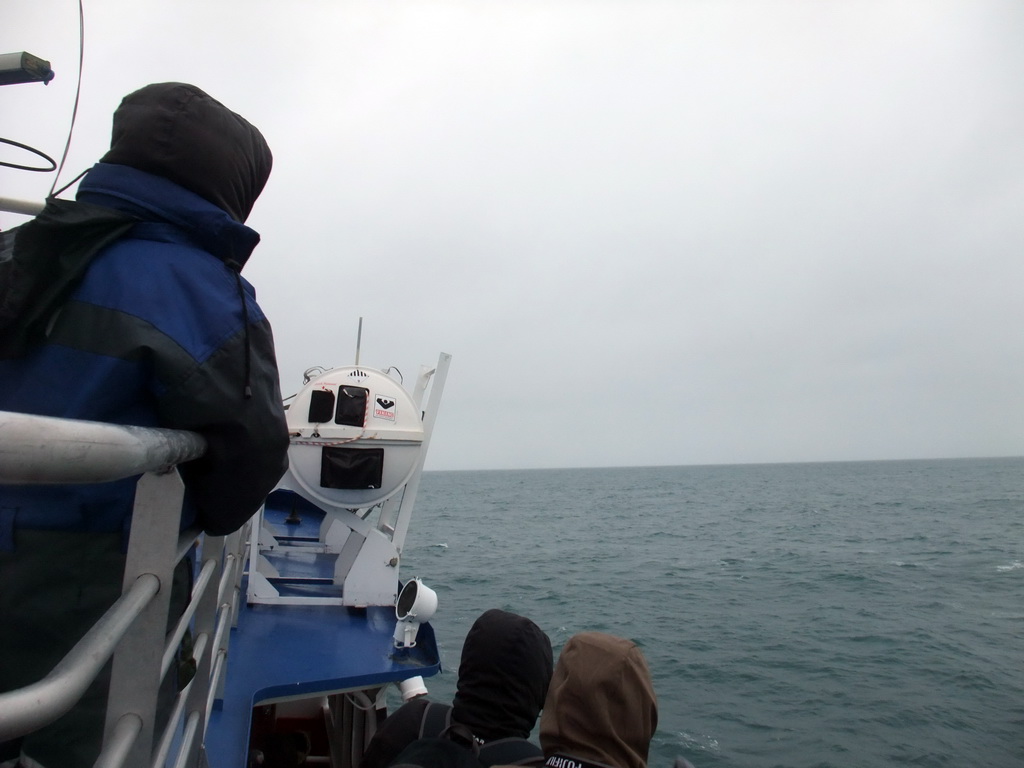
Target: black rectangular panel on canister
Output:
[(352, 406), (321, 406), (351, 468)]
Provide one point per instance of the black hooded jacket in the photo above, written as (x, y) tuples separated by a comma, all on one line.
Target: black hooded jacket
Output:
[(183, 134), (503, 679), (150, 323)]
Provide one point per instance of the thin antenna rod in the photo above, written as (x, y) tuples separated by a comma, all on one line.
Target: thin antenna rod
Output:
[(359, 339)]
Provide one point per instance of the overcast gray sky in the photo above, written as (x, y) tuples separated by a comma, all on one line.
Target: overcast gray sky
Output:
[(680, 232)]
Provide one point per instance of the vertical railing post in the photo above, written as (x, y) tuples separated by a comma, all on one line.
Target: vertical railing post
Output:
[(205, 625), (152, 548)]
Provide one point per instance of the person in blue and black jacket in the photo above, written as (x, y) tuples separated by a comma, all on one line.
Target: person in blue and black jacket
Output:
[(133, 311)]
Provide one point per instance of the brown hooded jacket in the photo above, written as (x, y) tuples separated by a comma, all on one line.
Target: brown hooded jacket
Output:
[(601, 708)]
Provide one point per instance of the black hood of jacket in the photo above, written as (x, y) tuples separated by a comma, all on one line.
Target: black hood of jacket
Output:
[(503, 677), (177, 131)]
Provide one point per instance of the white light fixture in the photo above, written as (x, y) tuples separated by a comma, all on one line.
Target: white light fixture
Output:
[(416, 605), (23, 67), (411, 688)]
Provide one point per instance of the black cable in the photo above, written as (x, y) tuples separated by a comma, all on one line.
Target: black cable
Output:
[(78, 93), (54, 194), (34, 151), (247, 390)]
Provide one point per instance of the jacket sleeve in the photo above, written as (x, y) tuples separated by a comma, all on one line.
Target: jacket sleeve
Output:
[(247, 437), (399, 730)]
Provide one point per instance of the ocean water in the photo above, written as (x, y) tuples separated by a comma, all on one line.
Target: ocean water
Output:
[(839, 614)]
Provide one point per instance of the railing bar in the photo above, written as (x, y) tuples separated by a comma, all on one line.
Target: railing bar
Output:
[(167, 738), (241, 555), (45, 449), (215, 675), (219, 666), (222, 626), (187, 540), (236, 600), (202, 582), (227, 577), (27, 709), (116, 749), (24, 207), (187, 738)]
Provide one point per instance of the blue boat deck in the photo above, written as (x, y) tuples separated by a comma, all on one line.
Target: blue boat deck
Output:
[(288, 651)]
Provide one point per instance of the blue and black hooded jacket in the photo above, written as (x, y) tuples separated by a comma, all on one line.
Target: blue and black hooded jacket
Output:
[(159, 329)]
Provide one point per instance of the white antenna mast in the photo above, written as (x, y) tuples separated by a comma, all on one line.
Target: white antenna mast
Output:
[(359, 339)]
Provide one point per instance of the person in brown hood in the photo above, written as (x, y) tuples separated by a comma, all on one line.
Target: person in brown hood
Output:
[(601, 710)]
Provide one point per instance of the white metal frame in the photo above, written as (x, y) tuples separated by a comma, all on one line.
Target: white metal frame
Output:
[(369, 554)]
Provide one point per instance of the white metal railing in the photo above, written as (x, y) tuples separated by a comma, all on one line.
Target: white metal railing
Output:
[(24, 207), (30, 708), (36, 450)]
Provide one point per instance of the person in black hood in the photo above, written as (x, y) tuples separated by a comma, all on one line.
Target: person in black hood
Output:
[(130, 309), (179, 132), (503, 680)]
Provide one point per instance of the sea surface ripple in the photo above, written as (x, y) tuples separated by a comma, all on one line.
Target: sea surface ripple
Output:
[(802, 615)]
